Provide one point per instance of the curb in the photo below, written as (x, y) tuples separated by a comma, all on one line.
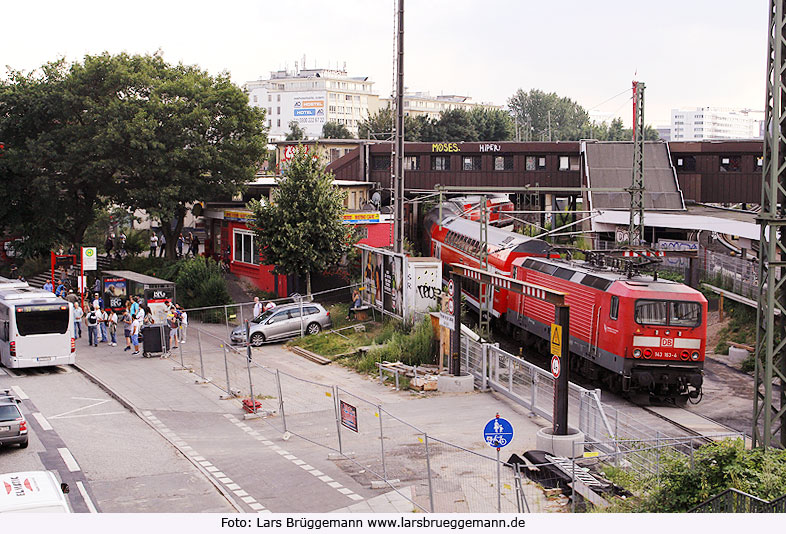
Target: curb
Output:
[(129, 406)]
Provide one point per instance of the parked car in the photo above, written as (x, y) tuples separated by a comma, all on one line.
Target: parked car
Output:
[(13, 426), (283, 322)]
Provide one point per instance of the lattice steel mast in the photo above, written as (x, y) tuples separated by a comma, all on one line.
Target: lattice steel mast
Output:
[(398, 164), (636, 225), (769, 414)]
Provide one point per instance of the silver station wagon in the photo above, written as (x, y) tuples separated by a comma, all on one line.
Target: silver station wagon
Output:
[(13, 426), (284, 322)]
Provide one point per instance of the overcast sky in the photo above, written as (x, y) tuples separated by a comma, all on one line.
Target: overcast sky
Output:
[(688, 52)]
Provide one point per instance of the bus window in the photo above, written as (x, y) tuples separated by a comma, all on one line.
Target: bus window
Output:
[(47, 321)]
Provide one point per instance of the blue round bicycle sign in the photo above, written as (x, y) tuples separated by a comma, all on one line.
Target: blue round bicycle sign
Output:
[(498, 432)]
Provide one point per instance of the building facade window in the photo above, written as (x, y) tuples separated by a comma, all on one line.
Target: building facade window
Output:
[(278, 123), (380, 163), (471, 163), (730, 164), (255, 99), (503, 163), (535, 163), (246, 249), (686, 163), (269, 98), (440, 163), (564, 163), (411, 163), (278, 110), (278, 98)]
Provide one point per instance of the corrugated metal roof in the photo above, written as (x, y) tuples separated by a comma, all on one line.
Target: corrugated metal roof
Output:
[(611, 165)]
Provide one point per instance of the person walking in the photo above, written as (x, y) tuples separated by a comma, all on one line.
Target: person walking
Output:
[(112, 321), (183, 324), (257, 307), (71, 297), (78, 314), (127, 319), (180, 242), (136, 325), (162, 245), (153, 243), (194, 245), (109, 244), (48, 286), (102, 323), (91, 319)]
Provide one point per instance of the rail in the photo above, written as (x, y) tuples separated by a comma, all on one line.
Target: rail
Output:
[(734, 501)]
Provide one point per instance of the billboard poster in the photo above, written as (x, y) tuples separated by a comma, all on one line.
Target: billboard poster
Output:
[(309, 109), (387, 283), (391, 285), (115, 293), (157, 298), (383, 278)]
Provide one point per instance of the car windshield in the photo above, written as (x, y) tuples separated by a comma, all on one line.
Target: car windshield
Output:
[(263, 316), (9, 412)]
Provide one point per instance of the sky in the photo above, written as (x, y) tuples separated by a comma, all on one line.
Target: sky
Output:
[(689, 53)]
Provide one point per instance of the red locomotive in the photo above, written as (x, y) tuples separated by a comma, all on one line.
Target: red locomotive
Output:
[(457, 240), (637, 335), (497, 208)]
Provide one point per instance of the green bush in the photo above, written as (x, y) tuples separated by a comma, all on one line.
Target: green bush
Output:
[(199, 282), (414, 348), (717, 467)]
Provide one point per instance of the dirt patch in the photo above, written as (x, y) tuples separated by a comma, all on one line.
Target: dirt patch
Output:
[(714, 327)]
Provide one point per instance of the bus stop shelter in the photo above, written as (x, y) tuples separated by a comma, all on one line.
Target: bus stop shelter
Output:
[(119, 286)]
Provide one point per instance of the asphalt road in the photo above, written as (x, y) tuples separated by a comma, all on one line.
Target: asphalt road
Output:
[(112, 460)]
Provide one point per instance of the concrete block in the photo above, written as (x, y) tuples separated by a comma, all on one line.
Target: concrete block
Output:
[(381, 484), (455, 384), (737, 356), (559, 445)]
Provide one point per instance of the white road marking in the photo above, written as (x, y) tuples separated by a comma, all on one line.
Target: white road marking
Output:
[(80, 409), (256, 506), (19, 393), (233, 486), (248, 499), (87, 415), (355, 497), (345, 491), (86, 497), (335, 484), (241, 493), (69, 459), (42, 421)]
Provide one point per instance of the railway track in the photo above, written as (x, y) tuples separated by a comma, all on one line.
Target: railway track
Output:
[(692, 423)]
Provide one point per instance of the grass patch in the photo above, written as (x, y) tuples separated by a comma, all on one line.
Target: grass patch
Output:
[(741, 327)]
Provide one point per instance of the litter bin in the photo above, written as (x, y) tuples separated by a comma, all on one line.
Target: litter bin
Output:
[(155, 340)]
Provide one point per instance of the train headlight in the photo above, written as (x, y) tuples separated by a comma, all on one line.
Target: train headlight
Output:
[(695, 356), (648, 353), (637, 353), (684, 355)]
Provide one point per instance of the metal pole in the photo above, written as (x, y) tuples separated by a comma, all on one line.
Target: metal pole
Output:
[(180, 348), (510, 374), (201, 361), (248, 366), (428, 468), (281, 400), (301, 316), (399, 162), (382, 442), (573, 476), (226, 321), (455, 360), (484, 367), (338, 418), (499, 487), (226, 368), (561, 383)]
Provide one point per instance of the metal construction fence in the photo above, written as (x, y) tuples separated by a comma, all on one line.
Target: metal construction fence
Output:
[(366, 439)]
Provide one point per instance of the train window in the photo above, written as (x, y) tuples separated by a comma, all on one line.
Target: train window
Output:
[(615, 308), (565, 274), (651, 312), (528, 263), (684, 314)]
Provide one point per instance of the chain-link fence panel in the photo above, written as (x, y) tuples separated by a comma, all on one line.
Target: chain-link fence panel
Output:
[(361, 434), (470, 482), (310, 410), (406, 458)]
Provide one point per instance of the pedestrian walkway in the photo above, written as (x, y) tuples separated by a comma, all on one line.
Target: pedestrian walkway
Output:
[(251, 462)]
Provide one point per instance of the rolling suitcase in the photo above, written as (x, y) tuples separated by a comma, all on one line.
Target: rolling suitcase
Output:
[(155, 340)]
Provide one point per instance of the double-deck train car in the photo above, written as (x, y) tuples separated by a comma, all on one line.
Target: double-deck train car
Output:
[(457, 240), (498, 208), (637, 335)]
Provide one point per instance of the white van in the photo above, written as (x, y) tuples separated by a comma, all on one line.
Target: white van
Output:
[(33, 491)]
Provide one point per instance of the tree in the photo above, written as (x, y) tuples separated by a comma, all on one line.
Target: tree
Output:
[(302, 230), (122, 130), (492, 124), (334, 130), (547, 115), (296, 133), (379, 125)]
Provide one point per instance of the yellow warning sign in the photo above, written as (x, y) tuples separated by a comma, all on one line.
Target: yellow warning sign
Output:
[(593, 454), (556, 340)]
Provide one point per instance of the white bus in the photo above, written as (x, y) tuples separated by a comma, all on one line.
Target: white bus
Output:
[(36, 327)]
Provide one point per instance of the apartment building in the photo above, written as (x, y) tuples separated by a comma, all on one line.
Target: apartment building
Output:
[(697, 124)]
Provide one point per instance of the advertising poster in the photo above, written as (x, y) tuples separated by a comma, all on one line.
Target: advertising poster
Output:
[(157, 299), (387, 283), (115, 293), (398, 290), (368, 276), (349, 416)]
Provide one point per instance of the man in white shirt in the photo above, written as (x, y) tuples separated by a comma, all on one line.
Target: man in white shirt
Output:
[(257, 307), (136, 324)]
